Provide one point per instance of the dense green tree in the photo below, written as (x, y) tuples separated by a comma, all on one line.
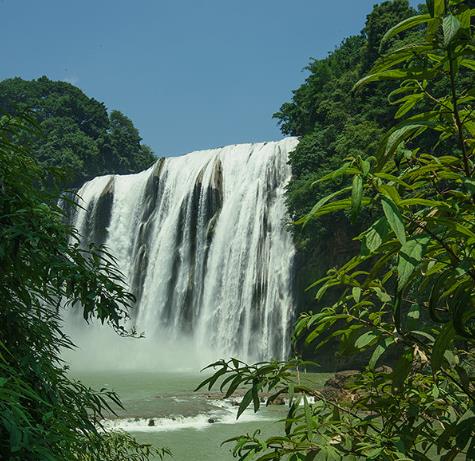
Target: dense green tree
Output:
[(330, 118), (47, 99), (381, 19), (121, 147), (44, 414), (78, 135)]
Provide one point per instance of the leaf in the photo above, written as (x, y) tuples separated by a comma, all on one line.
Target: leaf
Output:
[(401, 370), (382, 295), (365, 339), (468, 63), (450, 26), (400, 134), (356, 292), (410, 256), (394, 218), (409, 103), (313, 212), (234, 385), (345, 169), (413, 317), (255, 397), (408, 23), (395, 74), (421, 201), (373, 453), (356, 196), (442, 343), (365, 167), (374, 236), (379, 351), (439, 7), (245, 402)]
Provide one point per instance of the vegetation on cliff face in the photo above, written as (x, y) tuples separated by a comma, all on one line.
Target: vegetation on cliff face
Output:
[(410, 286), (77, 135), (44, 414), (334, 122)]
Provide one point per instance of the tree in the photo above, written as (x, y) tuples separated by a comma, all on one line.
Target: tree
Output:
[(44, 414), (411, 286), (123, 152), (78, 136)]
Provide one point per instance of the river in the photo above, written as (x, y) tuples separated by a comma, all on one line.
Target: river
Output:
[(192, 424)]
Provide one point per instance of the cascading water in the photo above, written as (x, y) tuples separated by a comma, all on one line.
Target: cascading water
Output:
[(202, 242)]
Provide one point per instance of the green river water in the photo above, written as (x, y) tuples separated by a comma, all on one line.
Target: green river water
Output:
[(182, 418)]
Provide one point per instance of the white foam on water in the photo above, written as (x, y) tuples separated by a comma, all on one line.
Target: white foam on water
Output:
[(173, 423)]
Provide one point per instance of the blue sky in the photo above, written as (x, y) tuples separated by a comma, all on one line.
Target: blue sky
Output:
[(191, 74)]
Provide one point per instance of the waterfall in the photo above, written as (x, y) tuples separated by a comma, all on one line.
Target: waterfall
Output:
[(203, 244)]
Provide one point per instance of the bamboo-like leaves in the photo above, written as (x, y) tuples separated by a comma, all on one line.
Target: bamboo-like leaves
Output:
[(405, 25)]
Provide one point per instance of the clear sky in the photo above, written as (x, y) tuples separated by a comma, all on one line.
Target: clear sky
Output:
[(191, 74)]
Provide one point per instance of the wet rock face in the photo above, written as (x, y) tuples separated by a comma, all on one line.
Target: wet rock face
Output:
[(152, 195), (151, 423), (99, 213)]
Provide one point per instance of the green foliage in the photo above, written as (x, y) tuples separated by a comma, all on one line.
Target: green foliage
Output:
[(410, 290), (117, 446), (333, 123), (77, 135), (44, 414)]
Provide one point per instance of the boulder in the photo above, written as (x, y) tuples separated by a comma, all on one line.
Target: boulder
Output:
[(335, 388), (278, 401)]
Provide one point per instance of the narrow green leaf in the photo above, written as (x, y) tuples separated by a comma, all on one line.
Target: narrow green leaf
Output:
[(408, 23), (400, 134), (356, 196), (468, 63), (442, 343), (255, 397), (439, 7), (401, 370), (396, 74), (245, 402), (313, 212), (394, 218), (345, 169)]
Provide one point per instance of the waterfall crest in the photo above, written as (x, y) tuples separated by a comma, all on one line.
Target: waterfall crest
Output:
[(202, 242)]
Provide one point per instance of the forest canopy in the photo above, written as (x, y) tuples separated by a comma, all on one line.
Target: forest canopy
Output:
[(79, 138)]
